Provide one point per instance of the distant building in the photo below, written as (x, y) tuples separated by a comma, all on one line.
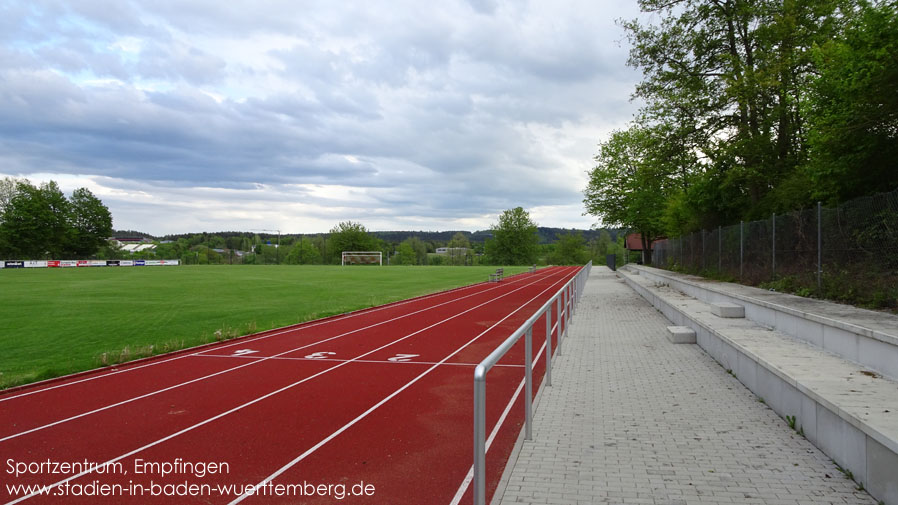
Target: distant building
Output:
[(460, 251), (132, 244), (633, 243), (136, 248)]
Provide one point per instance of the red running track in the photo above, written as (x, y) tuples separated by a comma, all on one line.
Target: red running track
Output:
[(373, 406)]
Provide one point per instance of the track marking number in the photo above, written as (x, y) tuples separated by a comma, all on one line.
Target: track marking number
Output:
[(320, 355), (243, 352), (403, 357)]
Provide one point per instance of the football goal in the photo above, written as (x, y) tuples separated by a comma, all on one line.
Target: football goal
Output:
[(361, 258)]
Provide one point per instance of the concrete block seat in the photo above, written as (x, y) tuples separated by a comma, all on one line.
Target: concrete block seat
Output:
[(847, 409), (681, 334)]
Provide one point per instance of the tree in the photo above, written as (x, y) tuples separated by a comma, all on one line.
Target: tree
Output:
[(303, 252), (34, 222), (39, 222), (406, 254), (412, 251), (7, 192), (726, 80), (628, 186), (458, 249), (515, 240), (570, 250), (90, 224), (853, 108), (350, 236), (459, 240)]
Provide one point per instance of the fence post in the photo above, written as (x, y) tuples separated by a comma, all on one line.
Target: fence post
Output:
[(741, 247), (703, 248), (719, 249), (773, 247), (691, 251), (819, 247)]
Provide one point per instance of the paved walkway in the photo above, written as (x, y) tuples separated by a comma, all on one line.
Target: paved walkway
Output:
[(632, 418)]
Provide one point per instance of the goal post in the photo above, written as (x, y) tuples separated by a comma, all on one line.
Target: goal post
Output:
[(361, 258)]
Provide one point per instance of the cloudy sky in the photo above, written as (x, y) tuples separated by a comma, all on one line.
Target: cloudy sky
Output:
[(204, 115)]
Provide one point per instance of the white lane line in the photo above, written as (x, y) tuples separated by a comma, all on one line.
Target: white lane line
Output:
[(335, 360), (385, 400), (260, 398), (286, 329), (228, 370), (460, 493)]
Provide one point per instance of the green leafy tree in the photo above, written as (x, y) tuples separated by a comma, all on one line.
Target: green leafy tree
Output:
[(724, 83), (303, 252), (320, 243), (350, 236), (412, 251), (458, 249), (7, 192), (90, 224), (35, 222), (570, 250), (853, 107), (406, 254), (628, 186), (515, 240)]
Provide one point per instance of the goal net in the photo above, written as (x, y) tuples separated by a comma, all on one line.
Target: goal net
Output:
[(361, 258)]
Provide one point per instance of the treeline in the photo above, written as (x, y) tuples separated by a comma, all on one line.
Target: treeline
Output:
[(515, 239), (751, 107), (432, 239), (39, 222)]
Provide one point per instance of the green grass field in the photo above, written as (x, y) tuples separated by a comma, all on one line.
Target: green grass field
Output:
[(58, 321)]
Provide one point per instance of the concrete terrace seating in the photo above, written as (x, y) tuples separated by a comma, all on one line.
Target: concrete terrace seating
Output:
[(829, 369)]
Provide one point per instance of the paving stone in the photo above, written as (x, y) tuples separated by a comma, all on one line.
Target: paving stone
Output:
[(632, 419)]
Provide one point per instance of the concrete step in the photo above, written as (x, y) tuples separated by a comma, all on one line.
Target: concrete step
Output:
[(865, 336), (846, 409)]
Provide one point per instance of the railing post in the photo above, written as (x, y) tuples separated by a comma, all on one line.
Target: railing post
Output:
[(479, 438), (549, 345), (567, 311), (570, 300), (559, 319), (528, 384)]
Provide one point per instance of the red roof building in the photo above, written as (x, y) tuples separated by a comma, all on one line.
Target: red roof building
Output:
[(633, 242)]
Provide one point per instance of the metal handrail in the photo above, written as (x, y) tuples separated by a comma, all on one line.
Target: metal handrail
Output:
[(568, 296)]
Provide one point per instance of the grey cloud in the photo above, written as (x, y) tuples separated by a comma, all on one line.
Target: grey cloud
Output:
[(430, 111), (487, 7), (178, 61)]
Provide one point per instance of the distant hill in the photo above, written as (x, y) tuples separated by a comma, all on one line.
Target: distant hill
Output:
[(131, 234), (546, 235)]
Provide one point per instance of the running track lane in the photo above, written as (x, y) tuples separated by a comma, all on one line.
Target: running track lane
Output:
[(410, 420)]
